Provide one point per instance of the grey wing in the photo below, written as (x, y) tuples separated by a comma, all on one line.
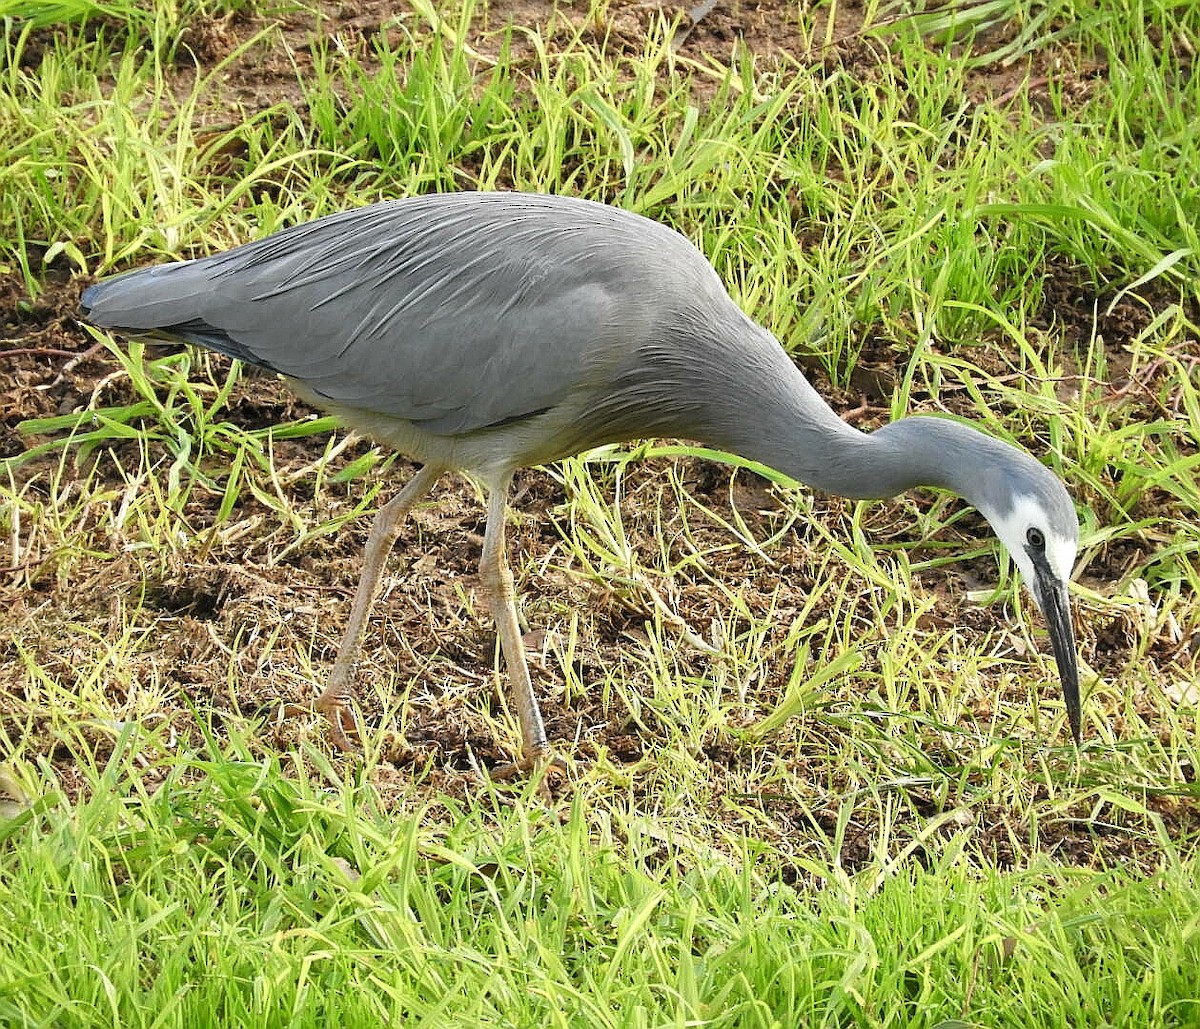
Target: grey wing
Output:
[(456, 311)]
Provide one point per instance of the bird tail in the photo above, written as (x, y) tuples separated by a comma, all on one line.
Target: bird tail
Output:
[(163, 302)]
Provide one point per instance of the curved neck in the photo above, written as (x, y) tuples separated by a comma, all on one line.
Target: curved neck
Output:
[(797, 433), (730, 385)]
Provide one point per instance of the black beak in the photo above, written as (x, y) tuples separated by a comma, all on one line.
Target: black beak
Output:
[(1052, 597)]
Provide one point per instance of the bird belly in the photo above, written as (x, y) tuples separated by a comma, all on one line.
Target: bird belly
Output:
[(404, 436), (485, 453)]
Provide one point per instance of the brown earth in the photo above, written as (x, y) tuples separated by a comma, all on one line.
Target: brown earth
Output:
[(249, 589)]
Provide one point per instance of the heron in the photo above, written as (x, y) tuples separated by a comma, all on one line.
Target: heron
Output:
[(482, 332)]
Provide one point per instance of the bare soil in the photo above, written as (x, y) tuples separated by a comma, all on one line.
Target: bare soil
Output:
[(231, 626)]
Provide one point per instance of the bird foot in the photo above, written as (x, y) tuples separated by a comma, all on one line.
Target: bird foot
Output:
[(343, 725), (546, 766)]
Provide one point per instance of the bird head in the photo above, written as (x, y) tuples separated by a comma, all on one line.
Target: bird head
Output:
[(1032, 514)]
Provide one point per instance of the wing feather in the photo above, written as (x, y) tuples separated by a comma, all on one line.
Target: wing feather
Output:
[(456, 311)]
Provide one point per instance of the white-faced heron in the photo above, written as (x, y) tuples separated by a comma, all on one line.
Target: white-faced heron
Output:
[(483, 332)]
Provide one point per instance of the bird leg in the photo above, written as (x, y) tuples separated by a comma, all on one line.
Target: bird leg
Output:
[(334, 703), (497, 579)]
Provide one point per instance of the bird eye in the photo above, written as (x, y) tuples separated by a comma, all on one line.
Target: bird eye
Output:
[(1035, 538)]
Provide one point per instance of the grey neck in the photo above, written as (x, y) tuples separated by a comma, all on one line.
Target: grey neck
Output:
[(795, 432)]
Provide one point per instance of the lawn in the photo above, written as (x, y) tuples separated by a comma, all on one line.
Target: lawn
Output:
[(819, 771)]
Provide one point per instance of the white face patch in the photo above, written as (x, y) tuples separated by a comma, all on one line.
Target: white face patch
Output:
[(1027, 513), (1061, 555)]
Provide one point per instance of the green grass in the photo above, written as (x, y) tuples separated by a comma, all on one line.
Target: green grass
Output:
[(222, 888), (820, 772)]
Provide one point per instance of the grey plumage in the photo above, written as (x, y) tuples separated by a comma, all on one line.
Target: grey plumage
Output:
[(485, 332)]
